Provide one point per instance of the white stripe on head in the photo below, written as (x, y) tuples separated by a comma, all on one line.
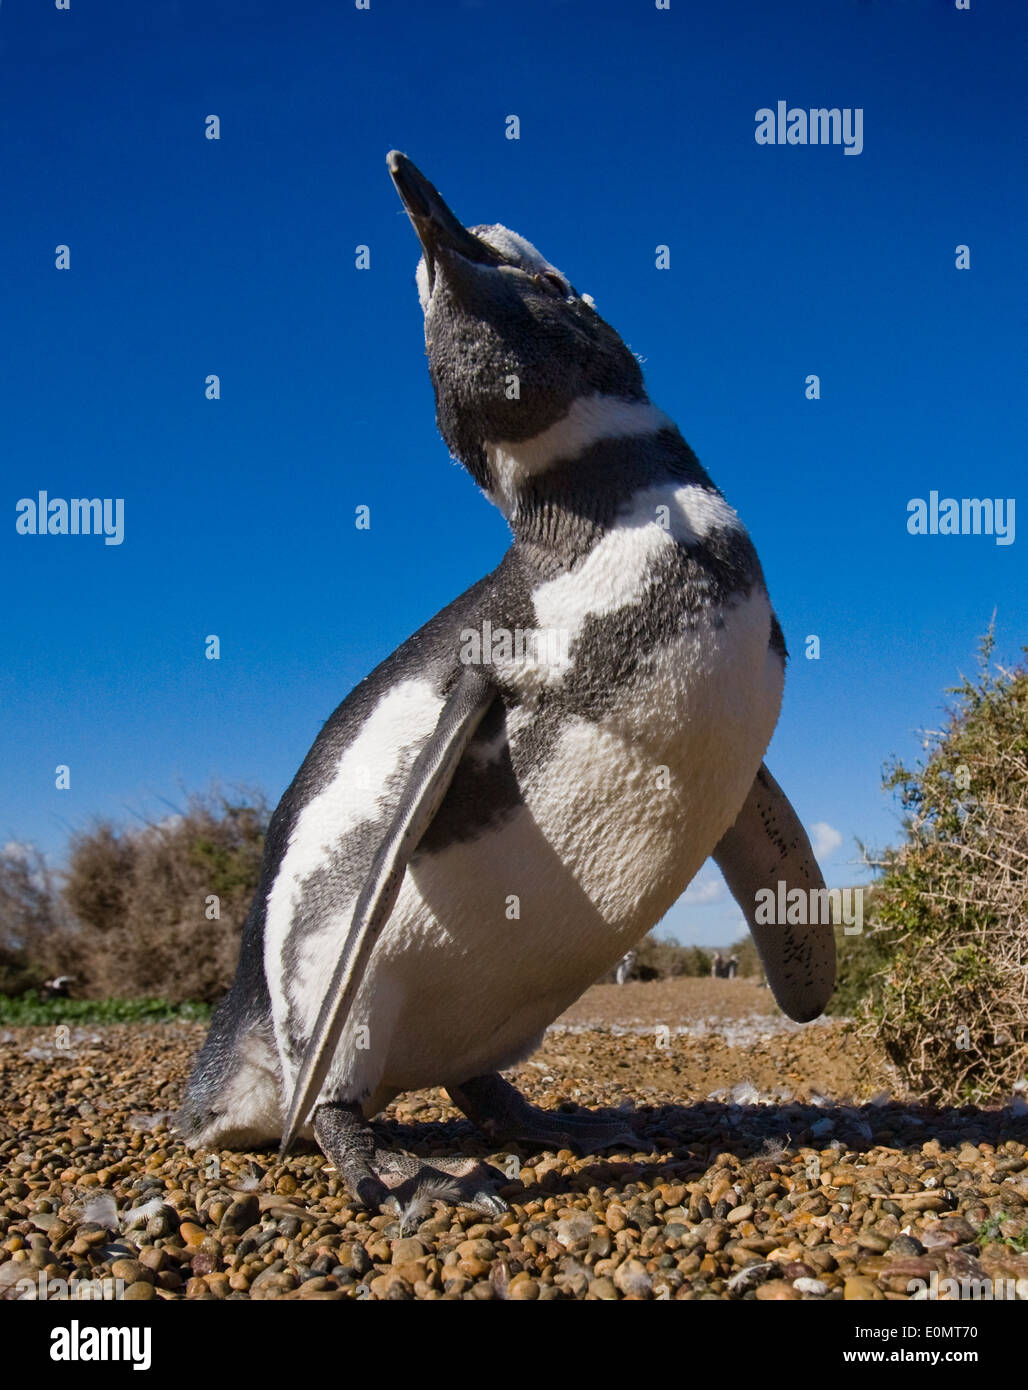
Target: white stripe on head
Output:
[(421, 280), (514, 248), (509, 244), (589, 420)]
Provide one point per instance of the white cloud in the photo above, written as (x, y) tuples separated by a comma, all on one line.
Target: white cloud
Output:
[(825, 837), (702, 890)]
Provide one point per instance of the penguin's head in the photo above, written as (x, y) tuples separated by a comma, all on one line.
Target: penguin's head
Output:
[(511, 344)]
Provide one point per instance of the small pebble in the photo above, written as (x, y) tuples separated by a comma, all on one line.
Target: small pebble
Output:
[(752, 1193)]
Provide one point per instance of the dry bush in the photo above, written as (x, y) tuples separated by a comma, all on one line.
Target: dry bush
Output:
[(141, 901), (951, 908), (31, 917), (662, 960)]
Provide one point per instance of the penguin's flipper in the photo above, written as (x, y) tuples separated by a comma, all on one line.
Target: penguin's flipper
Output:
[(429, 781), (767, 846)]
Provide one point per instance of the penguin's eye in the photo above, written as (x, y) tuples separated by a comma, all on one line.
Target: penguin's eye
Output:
[(554, 283)]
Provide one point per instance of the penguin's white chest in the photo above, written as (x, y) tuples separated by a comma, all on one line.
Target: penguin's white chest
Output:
[(493, 937)]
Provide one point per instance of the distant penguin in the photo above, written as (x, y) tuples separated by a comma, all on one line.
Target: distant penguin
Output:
[(59, 987), (625, 966), (516, 795)]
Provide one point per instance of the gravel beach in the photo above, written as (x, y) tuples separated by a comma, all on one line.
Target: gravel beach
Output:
[(776, 1162)]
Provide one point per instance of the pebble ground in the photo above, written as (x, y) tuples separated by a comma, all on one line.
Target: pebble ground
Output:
[(775, 1162)]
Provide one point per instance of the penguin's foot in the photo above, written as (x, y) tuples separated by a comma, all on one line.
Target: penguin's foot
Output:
[(395, 1181), (501, 1112), (458, 1182), (347, 1142)]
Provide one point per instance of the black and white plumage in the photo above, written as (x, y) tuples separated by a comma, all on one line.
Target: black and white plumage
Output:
[(59, 987), (584, 777)]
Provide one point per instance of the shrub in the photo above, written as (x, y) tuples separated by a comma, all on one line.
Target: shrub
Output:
[(141, 899), (31, 915), (950, 1001), (662, 960), (860, 963)]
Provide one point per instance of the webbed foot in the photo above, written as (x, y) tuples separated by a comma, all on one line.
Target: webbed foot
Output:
[(398, 1182), (502, 1113)]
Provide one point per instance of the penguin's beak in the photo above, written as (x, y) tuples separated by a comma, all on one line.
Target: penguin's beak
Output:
[(437, 228)]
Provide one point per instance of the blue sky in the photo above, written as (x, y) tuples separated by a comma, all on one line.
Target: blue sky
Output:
[(236, 257)]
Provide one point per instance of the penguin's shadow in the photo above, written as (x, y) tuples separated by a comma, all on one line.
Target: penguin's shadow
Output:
[(690, 1138)]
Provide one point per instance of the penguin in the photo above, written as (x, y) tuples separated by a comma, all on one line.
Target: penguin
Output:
[(625, 966), (507, 804), (59, 987)]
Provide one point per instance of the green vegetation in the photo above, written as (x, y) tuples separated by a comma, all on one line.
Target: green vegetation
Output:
[(860, 961), (945, 969), (661, 960), (990, 1231), (30, 1008)]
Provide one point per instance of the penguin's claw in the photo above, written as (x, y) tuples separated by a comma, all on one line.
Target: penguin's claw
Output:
[(372, 1193), (397, 1182), (466, 1184)]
